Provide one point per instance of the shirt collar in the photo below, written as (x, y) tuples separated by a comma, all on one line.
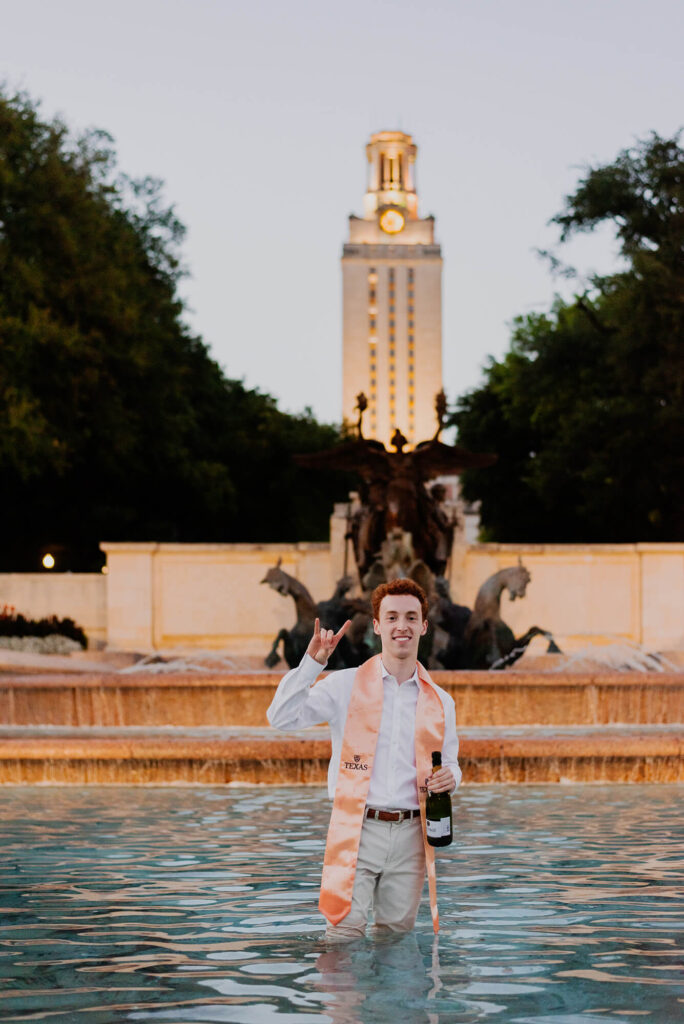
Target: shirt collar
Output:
[(388, 675)]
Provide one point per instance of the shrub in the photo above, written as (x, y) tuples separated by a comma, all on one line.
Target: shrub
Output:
[(14, 624)]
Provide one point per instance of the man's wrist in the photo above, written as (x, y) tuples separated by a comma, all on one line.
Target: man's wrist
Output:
[(310, 661)]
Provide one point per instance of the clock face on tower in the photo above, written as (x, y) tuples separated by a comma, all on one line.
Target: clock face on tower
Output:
[(391, 221)]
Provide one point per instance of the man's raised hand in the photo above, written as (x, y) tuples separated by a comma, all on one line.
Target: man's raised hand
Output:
[(324, 641)]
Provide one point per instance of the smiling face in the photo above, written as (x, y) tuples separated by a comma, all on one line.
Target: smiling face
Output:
[(400, 626)]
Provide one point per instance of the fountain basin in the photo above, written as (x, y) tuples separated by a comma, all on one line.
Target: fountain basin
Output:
[(208, 699), (222, 756), (556, 904)]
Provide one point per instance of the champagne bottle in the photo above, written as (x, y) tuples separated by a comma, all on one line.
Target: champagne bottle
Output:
[(438, 811)]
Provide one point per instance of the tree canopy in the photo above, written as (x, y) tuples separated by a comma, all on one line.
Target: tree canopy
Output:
[(117, 424), (586, 410)]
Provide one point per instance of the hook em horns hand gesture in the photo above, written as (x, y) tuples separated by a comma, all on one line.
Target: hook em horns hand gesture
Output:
[(324, 641)]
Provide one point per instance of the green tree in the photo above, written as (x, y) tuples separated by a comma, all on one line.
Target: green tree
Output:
[(116, 422), (586, 410)]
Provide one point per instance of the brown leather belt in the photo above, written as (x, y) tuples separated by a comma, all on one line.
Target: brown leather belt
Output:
[(378, 815)]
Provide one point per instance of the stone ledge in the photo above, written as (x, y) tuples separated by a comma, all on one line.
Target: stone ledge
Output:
[(111, 699), (268, 744), (448, 680)]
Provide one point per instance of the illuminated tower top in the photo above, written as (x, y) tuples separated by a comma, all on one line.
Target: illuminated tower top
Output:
[(391, 181), (390, 205)]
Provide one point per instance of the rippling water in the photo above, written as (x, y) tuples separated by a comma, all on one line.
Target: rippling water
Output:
[(559, 905)]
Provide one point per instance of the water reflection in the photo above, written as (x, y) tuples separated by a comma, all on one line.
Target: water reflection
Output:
[(363, 981), (559, 905)]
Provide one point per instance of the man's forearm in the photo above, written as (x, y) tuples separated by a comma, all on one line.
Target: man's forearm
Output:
[(289, 705)]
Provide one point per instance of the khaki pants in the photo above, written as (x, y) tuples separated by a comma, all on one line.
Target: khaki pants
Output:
[(390, 872)]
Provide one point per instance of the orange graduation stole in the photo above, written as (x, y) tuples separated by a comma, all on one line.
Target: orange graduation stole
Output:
[(356, 765)]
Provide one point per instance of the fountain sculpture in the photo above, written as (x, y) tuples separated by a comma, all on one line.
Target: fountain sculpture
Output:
[(400, 527), (392, 492)]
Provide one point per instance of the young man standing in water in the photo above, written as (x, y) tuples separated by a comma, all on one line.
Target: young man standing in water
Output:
[(386, 717)]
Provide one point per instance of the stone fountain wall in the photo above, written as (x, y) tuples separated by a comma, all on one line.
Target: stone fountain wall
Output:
[(208, 729)]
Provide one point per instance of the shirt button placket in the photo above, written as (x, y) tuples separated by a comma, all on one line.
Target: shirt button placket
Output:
[(394, 746)]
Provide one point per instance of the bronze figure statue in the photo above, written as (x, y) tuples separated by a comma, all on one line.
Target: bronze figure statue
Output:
[(393, 494)]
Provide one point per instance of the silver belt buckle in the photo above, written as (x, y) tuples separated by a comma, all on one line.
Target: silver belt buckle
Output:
[(402, 815)]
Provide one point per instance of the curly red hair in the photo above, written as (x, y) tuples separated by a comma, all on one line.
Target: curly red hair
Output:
[(402, 586)]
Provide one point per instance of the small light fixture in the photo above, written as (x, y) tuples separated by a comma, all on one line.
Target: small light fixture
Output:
[(104, 570), (48, 561)]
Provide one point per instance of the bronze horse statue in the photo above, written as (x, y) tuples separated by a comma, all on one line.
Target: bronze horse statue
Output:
[(489, 642), (352, 650)]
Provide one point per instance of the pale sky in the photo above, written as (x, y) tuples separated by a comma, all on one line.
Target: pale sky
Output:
[(256, 115)]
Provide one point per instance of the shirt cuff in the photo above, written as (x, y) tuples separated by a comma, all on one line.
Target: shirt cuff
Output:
[(310, 668)]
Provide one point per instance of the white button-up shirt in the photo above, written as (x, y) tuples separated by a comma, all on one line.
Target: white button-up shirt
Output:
[(299, 704)]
